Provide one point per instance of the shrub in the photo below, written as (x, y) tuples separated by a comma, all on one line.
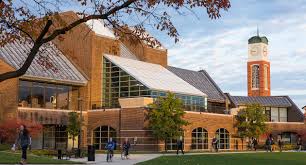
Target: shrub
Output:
[(4, 147), (44, 152)]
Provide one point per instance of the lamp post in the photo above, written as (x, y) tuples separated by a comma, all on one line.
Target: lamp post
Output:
[(81, 120)]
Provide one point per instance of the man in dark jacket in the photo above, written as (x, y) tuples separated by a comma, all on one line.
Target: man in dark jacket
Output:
[(180, 146), (23, 139)]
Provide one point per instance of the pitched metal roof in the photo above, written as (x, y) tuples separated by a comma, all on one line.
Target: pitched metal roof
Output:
[(154, 76), (200, 80), (274, 101), (64, 71)]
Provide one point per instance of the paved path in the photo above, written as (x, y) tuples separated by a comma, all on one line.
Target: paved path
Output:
[(133, 159)]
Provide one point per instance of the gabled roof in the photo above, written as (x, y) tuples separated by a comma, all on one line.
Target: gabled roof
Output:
[(200, 80), (154, 76), (64, 71), (274, 101)]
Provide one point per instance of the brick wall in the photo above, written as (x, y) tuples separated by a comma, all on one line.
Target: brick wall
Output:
[(147, 54), (8, 94), (261, 91)]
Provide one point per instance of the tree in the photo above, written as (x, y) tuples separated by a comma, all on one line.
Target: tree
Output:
[(39, 21), (166, 118), (9, 129), (251, 121), (73, 127)]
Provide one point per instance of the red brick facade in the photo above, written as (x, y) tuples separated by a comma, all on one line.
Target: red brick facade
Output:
[(262, 90)]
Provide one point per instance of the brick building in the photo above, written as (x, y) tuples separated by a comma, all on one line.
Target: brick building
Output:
[(111, 82)]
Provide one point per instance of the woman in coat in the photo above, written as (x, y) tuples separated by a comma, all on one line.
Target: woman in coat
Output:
[(23, 139)]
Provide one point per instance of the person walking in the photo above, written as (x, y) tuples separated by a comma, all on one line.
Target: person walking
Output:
[(255, 143), (126, 147), (23, 139), (280, 144), (180, 146), (268, 144), (214, 144), (299, 144)]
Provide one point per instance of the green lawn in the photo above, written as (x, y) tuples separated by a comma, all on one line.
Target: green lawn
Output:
[(6, 157), (232, 159)]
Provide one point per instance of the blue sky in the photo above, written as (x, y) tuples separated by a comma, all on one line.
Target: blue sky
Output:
[(220, 46)]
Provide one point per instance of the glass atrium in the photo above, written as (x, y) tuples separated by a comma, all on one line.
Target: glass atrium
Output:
[(118, 83)]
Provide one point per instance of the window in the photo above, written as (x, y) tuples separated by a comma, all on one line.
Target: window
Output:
[(289, 137), (255, 76), (119, 84), (274, 114), (172, 143), (55, 137), (102, 135), (266, 77), (268, 113), (279, 114), (62, 97), (223, 137), (37, 98), (283, 114), (24, 94), (199, 139), (50, 96)]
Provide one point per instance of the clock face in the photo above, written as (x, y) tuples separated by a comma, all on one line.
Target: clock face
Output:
[(265, 51), (254, 50)]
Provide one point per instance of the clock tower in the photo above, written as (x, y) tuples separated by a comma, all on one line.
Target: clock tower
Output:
[(258, 66)]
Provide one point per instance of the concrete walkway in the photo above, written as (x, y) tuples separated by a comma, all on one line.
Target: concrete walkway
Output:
[(133, 159)]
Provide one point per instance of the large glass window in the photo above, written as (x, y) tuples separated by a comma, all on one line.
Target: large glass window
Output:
[(119, 84), (37, 98), (255, 76), (25, 94), (172, 143), (50, 96), (63, 97), (102, 135), (223, 138), (199, 139), (55, 137)]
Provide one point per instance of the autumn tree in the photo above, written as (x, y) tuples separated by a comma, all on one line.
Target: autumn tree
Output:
[(166, 118), (34, 20), (73, 127), (250, 121), (9, 129)]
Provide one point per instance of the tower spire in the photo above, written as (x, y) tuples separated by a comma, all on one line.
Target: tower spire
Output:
[(257, 31)]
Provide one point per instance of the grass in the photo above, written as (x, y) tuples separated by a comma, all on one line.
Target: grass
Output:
[(7, 157), (276, 158)]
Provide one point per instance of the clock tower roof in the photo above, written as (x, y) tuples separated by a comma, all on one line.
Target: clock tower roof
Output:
[(258, 39)]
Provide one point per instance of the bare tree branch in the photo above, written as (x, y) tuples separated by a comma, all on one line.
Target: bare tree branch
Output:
[(37, 44)]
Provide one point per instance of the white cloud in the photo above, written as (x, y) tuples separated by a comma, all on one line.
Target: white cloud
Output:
[(224, 53)]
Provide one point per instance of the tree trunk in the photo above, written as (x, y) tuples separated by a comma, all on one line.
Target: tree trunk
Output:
[(242, 143), (73, 142), (165, 145)]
